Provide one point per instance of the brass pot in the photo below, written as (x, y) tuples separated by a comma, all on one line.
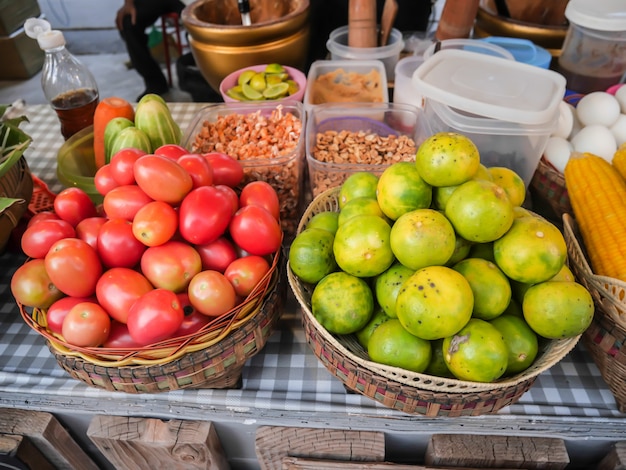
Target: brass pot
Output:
[(221, 45)]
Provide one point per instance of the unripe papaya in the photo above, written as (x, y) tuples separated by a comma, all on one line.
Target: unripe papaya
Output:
[(154, 118), (111, 131)]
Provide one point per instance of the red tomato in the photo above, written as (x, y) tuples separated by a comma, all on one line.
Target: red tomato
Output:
[(162, 178), (155, 223), (37, 239), (74, 267), (198, 168), (155, 316), (123, 202), (193, 320), (122, 165), (89, 228), (171, 265), (39, 216), (31, 285), (103, 180), (217, 255), (232, 195), (211, 293), (117, 246), (74, 205), (256, 231), (57, 312), (86, 325), (118, 289), (119, 337), (261, 193), (171, 151), (226, 170), (204, 215), (245, 273)]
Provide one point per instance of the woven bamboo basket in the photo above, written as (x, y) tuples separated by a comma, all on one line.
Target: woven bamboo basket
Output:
[(548, 185), (399, 389), (16, 183), (606, 336), (213, 357)]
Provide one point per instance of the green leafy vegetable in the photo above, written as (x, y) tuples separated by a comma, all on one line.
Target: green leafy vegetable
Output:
[(13, 140)]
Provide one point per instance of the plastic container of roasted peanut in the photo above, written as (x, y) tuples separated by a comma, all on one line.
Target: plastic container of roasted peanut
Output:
[(268, 140), (344, 138)]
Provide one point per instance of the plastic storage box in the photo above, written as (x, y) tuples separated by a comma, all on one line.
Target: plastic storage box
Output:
[(508, 108)]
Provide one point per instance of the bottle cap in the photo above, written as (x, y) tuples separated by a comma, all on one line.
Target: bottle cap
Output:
[(46, 37)]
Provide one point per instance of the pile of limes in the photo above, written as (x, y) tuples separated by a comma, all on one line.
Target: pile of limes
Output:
[(437, 267), (273, 83)]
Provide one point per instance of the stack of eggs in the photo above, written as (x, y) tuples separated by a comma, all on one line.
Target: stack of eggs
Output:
[(596, 125)]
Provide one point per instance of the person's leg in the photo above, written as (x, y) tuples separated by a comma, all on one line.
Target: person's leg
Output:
[(136, 39)]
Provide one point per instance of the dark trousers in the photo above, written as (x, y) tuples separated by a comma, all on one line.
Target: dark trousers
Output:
[(136, 39)]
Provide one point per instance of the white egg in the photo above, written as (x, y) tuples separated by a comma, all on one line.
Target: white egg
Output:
[(598, 107), (565, 122), (576, 125), (620, 96), (595, 139), (619, 129), (557, 152)]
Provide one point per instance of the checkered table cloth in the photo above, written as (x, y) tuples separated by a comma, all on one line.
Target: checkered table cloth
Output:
[(285, 376)]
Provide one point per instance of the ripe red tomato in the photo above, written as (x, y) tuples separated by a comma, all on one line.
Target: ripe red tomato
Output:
[(86, 325), (171, 151), (122, 165), (171, 265), (89, 228), (211, 293), (226, 170), (74, 205), (155, 316), (232, 196), (261, 193), (204, 215), (155, 223), (119, 337), (217, 255), (31, 285), (103, 180), (74, 267), (198, 168), (123, 202), (245, 273), (117, 246), (118, 289), (37, 239), (193, 319), (162, 178), (256, 230), (44, 215), (56, 313)]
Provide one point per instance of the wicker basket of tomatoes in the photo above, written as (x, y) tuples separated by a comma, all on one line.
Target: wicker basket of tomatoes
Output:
[(176, 286)]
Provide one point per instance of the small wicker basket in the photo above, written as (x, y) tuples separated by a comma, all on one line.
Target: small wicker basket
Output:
[(399, 389), (606, 336), (548, 189), (213, 357), (17, 183)]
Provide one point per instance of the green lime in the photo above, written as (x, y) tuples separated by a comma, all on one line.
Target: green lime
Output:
[(521, 341), (359, 206), (250, 93), (387, 285), (392, 345), (274, 78), (245, 76), (293, 87), (274, 68), (363, 335), (258, 81), (437, 365), (236, 93), (359, 184), (311, 255), (327, 220), (273, 92)]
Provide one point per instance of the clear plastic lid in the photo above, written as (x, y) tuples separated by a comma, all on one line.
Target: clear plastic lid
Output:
[(601, 15), (46, 37), (490, 86)]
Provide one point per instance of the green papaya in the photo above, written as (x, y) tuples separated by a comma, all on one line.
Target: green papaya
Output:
[(112, 129), (154, 118), (131, 137)]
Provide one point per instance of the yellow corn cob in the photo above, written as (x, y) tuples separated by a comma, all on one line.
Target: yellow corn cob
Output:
[(597, 194), (619, 160)]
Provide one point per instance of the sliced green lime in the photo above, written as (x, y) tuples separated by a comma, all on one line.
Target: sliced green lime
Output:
[(236, 93), (258, 81), (293, 87), (274, 68), (276, 91), (250, 93), (245, 76)]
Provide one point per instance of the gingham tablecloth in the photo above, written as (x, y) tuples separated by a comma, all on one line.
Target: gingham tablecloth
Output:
[(284, 378)]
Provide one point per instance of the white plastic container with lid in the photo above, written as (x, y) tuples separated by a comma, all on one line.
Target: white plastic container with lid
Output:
[(508, 108), (593, 57)]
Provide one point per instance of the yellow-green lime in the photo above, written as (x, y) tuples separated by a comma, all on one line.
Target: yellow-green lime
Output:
[(511, 182), (441, 195), (358, 184), (363, 335), (491, 288), (392, 345), (558, 309), (521, 342), (250, 93), (245, 76), (387, 286), (293, 87), (401, 189), (423, 237), (362, 246), (311, 255), (276, 91), (482, 250), (565, 274), (327, 220), (447, 159), (435, 302), (437, 365), (461, 251), (477, 352), (258, 81), (359, 206), (236, 93), (482, 173), (342, 303), (274, 68)]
